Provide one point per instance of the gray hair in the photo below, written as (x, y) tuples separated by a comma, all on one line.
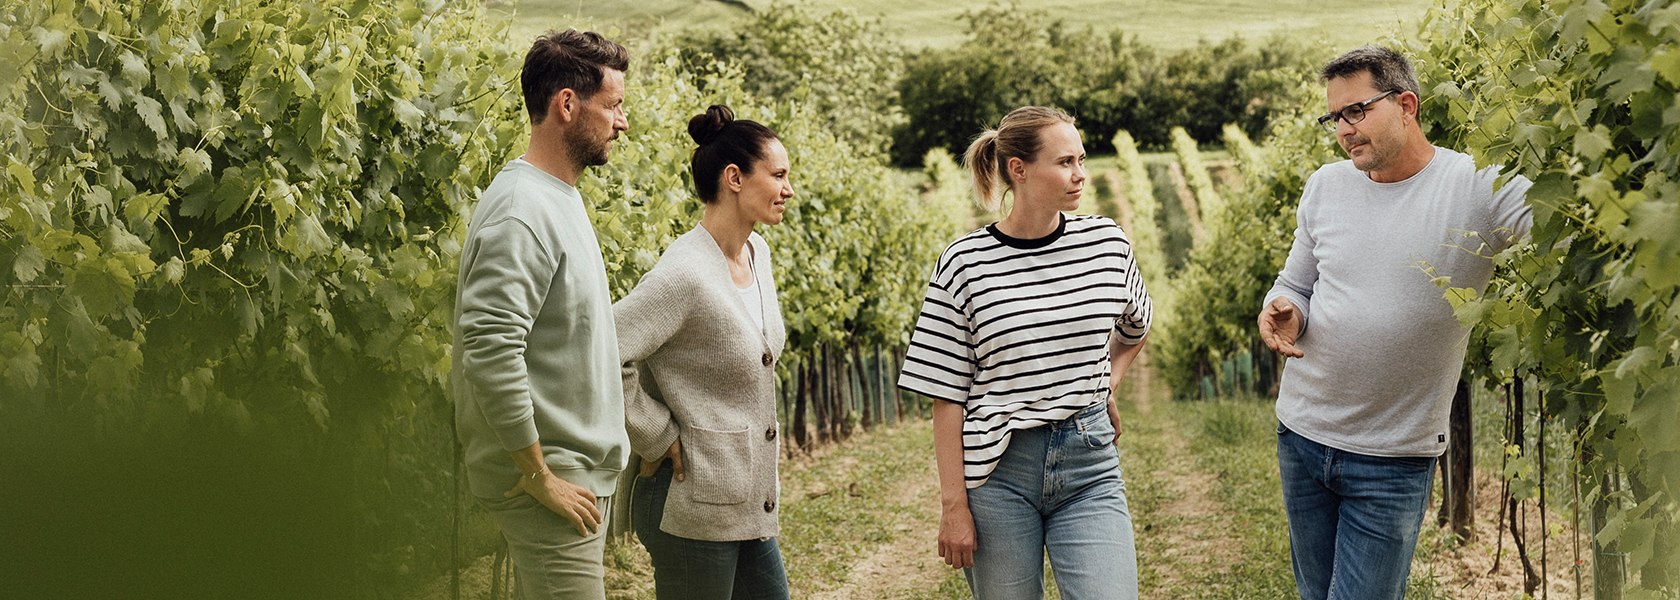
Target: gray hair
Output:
[(1389, 70)]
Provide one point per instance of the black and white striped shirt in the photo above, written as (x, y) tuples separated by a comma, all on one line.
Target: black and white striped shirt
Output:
[(1017, 330)]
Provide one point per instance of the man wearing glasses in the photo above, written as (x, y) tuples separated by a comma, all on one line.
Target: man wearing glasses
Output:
[(1375, 350)]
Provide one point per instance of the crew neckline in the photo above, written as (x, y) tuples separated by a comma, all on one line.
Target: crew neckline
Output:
[(1030, 243), (1434, 157)]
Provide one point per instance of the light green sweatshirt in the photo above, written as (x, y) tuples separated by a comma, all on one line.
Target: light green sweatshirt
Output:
[(535, 352)]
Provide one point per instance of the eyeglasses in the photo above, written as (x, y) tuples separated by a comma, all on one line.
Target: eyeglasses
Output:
[(1352, 113)]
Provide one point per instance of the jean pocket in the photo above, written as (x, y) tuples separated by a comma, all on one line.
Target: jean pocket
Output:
[(1281, 429), (1415, 463), (664, 465), (718, 465), (1097, 430)]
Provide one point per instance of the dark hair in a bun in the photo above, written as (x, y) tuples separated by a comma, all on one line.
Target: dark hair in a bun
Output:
[(723, 141), (705, 126)]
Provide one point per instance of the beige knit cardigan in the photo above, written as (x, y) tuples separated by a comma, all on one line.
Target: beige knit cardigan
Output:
[(697, 367)]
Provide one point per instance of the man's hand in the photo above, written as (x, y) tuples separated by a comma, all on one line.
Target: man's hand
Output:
[(569, 500), (674, 453), (1280, 326)]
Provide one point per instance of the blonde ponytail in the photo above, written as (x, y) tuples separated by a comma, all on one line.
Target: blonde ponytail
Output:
[(981, 159), (1015, 137)]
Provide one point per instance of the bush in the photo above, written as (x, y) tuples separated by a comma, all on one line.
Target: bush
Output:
[(1215, 348), (226, 255), (842, 66), (1110, 82), (228, 239)]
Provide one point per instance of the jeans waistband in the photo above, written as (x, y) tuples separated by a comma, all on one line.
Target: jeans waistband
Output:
[(1072, 421)]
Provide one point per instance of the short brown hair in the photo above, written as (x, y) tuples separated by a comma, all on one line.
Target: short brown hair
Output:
[(568, 59)]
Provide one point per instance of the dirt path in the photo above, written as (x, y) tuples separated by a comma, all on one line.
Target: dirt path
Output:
[(1183, 533), (1190, 525), (907, 563)]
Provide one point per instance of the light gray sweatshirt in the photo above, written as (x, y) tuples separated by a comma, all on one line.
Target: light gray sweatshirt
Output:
[(699, 368), (535, 356), (1382, 348)]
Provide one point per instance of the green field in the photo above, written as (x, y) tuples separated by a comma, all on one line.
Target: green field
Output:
[(1169, 25)]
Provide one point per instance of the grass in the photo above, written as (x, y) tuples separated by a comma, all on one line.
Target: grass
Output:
[(867, 500), (850, 505), (1167, 25), (835, 510), (1234, 441)]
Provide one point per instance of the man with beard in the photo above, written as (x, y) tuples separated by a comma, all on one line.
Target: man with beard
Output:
[(539, 404), (1376, 352)]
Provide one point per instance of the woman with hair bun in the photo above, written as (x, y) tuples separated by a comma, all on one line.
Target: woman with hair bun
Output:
[(1028, 325), (699, 337)]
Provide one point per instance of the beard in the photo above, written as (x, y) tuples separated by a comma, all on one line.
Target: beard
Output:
[(1376, 156), (588, 151)]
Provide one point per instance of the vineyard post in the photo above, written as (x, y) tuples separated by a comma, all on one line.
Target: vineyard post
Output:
[(1540, 458), (1460, 471), (860, 383), (799, 401), (1609, 572), (455, 520), (1518, 539)]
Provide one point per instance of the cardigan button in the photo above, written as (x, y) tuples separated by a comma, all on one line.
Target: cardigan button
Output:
[(769, 506), (766, 359), (770, 434)]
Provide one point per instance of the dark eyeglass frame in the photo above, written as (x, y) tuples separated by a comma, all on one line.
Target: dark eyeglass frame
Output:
[(1352, 113)]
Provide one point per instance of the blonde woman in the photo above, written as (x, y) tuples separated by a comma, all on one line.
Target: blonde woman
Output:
[(699, 336), (1027, 325)]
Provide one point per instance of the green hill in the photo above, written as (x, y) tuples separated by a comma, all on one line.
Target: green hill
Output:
[(1166, 25)]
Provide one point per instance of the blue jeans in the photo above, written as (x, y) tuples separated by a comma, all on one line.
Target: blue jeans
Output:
[(700, 569), (1353, 518), (1058, 489)]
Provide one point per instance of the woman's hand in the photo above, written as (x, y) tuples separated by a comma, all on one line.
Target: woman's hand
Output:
[(956, 537), (674, 453)]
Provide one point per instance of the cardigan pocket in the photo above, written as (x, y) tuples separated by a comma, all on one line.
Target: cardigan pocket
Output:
[(720, 465)]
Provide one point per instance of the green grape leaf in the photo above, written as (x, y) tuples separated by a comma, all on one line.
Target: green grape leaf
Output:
[(144, 209), (21, 172), (1666, 62), (1592, 143), (28, 264), (151, 113), (134, 69), (194, 162), (102, 284)]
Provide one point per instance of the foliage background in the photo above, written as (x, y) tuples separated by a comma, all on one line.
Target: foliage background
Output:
[(1108, 80), (1579, 97), (229, 236), (228, 233)]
